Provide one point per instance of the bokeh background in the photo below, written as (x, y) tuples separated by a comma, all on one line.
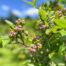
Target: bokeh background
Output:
[(14, 9)]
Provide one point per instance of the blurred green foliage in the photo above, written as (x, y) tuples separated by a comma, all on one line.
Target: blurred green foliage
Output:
[(4, 29)]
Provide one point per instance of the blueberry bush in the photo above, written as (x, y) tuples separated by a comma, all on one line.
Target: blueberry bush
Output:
[(46, 45)]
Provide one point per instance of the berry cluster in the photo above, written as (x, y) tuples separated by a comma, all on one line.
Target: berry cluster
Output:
[(41, 26), (33, 48), (59, 13), (18, 28), (39, 45), (35, 38), (11, 34), (64, 10), (20, 21)]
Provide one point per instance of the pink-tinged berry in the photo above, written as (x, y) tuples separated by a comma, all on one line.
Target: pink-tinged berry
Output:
[(33, 50), (23, 20), (40, 46), (59, 13), (18, 28), (47, 25), (12, 33), (20, 21), (30, 49), (9, 35), (43, 26), (64, 10), (16, 21), (36, 37), (33, 46)]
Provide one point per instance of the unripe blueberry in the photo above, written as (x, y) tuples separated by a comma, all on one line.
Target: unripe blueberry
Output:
[(18, 28), (30, 49), (33, 50), (20, 21), (43, 26), (12, 33)]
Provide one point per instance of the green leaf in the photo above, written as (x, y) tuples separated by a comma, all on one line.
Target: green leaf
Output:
[(10, 23), (61, 48), (63, 33), (42, 5), (57, 59), (51, 13), (63, 17), (28, 2), (48, 31), (34, 2), (61, 23), (5, 42), (42, 14), (61, 5), (51, 54), (0, 42), (54, 29), (52, 64), (4, 37)]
